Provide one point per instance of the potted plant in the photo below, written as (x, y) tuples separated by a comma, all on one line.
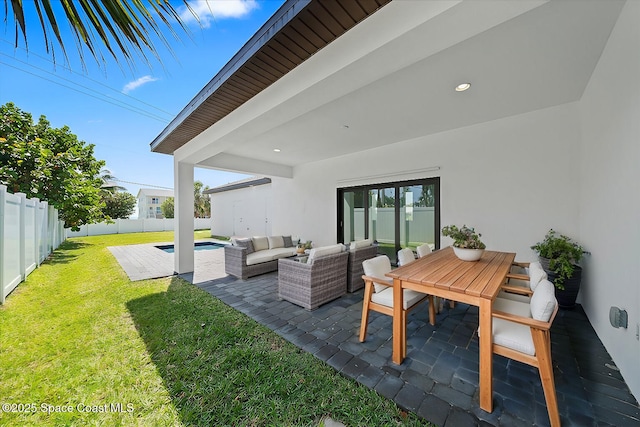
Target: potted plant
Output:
[(559, 256), (466, 242), (302, 247)]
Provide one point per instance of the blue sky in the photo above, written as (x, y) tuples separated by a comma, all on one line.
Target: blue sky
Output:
[(121, 108)]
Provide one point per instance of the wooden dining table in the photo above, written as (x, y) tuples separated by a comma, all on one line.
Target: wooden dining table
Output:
[(443, 274)]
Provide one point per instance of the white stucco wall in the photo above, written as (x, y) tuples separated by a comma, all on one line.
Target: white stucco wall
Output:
[(610, 192), (573, 167), (512, 179), (243, 212)]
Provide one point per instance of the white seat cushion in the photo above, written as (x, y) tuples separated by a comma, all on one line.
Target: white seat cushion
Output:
[(324, 251), (377, 267), (514, 297), (513, 335), (259, 257), (519, 308), (269, 255), (409, 298)]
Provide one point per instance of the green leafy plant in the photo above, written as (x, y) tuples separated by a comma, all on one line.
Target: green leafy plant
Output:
[(464, 237), (563, 255)]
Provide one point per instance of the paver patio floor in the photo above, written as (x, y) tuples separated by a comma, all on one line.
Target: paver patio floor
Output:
[(439, 378)]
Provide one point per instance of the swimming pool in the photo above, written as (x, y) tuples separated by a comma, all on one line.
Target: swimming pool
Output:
[(197, 246)]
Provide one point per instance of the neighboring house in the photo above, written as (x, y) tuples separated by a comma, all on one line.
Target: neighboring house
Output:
[(241, 208), (361, 105), (149, 202)]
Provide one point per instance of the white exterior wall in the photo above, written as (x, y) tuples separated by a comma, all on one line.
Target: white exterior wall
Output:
[(573, 167), (512, 179), (242, 212), (610, 193)]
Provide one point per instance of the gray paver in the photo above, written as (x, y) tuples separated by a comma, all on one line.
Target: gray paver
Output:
[(441, 367)]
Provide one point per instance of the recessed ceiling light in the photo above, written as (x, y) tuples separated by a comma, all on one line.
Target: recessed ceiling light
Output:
[(277, 150), (462, 87)]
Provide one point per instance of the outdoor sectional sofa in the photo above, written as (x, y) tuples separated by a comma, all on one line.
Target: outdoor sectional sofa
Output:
[(249, 257)]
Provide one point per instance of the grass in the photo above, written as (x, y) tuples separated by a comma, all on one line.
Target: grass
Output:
[(83, 345)]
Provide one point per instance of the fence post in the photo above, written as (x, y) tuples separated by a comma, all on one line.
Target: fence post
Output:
[(23, 212), (3, 192)]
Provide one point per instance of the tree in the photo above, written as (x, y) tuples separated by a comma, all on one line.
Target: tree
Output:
[(50, 164), (167, 208), (118, 204), (109, 181), (201, 202), (126, 26)]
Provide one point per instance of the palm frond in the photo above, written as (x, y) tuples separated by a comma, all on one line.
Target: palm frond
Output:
[(124, 27)]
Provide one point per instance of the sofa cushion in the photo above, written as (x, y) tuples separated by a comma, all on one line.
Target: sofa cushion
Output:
[(244, 243), (282, 252), (260, 243), (275, 242), (360, 244), (269, 255), (288, 243), (324, 251), (259, 257)]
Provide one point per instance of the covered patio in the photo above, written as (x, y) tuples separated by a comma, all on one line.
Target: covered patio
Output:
[(333, 95), (439, 378)]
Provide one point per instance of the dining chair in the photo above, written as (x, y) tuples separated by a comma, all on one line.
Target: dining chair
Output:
[(423, 250), (378, 295), (405, 256), (522, 281), (521, 331)]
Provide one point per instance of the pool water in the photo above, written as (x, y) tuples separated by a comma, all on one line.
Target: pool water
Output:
[(198, 246)]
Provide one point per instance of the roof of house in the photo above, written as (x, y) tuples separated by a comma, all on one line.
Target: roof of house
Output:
[(299, 29), (151, 192), (236, 185)]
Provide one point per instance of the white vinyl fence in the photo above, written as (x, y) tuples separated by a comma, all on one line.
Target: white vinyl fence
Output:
[(29, 232), (120, 226)]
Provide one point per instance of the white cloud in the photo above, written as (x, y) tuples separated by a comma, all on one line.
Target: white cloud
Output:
[(210, 10), (137, 83)]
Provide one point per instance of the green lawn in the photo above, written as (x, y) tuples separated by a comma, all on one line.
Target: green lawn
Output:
[(80, 344)]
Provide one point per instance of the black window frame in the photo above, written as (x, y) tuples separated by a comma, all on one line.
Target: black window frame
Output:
[(435, 181)]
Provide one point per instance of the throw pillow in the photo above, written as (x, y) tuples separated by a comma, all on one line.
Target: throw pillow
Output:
[(288, 243), (245, 243)]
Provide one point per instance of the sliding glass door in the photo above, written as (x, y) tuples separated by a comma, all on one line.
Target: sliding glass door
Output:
[(396, 215)]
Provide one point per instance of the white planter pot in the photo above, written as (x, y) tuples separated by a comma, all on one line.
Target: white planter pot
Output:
[(468, 254)]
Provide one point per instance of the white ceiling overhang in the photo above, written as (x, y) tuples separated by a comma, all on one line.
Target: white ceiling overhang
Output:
[(391, 79)]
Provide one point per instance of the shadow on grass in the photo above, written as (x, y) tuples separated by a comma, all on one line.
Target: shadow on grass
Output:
[(64, 254), (188, 335)]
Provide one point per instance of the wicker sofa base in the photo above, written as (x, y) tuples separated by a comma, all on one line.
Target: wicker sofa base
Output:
[(354, 267), (244, 272), (310, 286)]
